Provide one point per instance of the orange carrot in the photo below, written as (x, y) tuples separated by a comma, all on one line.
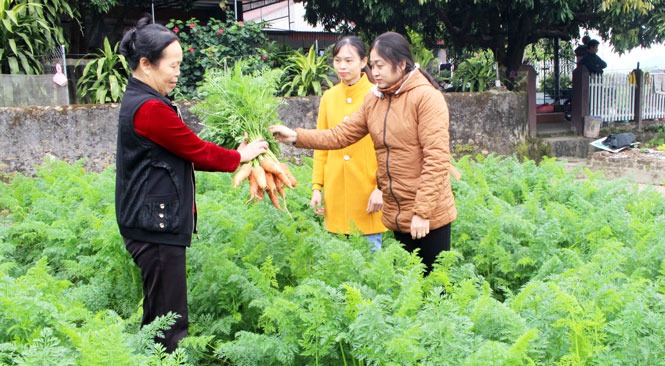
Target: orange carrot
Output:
[(280, 189), (274, 167), (288, 173), (259, 195), (260, 175), (253, 186), (272, 193), (241, 175), (270, 182), (272, 190), (285, 179), (271, 166)]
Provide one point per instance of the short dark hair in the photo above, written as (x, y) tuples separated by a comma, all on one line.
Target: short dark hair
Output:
[(359, 46), (145, 40), (592, 43), (586, 39)]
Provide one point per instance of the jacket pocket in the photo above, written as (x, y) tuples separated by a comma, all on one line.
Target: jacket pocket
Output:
[(160, 213)]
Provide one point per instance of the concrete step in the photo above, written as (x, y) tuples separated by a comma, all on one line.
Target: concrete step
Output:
[(563, 141), (569, 146), (560, 128)]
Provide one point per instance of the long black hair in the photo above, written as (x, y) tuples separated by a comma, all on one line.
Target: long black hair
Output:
[(395, 48), (145, 40), (357, 45)]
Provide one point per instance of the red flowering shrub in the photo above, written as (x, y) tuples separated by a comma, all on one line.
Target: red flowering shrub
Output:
[(219, 42)]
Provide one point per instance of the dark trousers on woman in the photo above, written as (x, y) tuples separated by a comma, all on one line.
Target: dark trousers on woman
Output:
[(163, 269), (430, 246)]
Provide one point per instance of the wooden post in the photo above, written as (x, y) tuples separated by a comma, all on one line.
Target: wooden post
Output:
[(580, 98), (531, 98), (639, 96)]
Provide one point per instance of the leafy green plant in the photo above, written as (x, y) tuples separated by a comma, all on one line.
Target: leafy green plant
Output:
[(30, 29), (476, 74), (236, 102), (215, 44), (544, 50), (548, 83), (423, 56), (546, 269), (305, 74), (104, 78)]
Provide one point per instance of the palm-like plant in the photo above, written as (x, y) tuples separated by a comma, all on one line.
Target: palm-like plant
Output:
[(421, 54), (19, 43), (473, 75), (104, 79), (305, 74)]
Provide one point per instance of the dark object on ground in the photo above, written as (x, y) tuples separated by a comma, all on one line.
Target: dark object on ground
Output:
[(619, 140)]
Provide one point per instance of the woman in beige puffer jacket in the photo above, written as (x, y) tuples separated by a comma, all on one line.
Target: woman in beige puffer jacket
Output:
[(407, 117)]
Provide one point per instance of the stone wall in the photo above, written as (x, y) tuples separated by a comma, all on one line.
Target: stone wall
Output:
[(479, 122), (641, 166), (493, 121)]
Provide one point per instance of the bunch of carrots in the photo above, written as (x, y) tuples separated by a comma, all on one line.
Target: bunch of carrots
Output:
[(266, 175), (240, 106)]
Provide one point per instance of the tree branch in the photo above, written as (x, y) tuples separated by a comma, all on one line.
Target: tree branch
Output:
[(464, 35)]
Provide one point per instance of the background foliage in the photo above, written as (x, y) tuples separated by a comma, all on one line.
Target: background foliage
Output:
[(505, 27), (30, 28), (105, 77), (216, 44), (476, 74), (305, 74)]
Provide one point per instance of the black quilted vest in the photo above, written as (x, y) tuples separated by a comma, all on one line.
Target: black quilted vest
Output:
[(154, 193)]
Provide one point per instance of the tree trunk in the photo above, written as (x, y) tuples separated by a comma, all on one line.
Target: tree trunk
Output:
[(510, 57)]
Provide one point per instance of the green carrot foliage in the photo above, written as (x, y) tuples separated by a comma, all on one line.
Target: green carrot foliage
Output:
[(546, 269)]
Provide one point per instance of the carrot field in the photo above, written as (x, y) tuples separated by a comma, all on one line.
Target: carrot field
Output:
[(545, 269)]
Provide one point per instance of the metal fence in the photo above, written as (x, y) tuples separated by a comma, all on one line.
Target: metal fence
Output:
[(546, 67), (37, 90), (612, 97), (653, 105), (31, 90)]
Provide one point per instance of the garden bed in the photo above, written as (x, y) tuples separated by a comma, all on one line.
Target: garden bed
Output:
[(545, 269)]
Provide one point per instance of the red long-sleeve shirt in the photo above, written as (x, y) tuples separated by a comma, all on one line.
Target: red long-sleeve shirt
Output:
[(161, 124)]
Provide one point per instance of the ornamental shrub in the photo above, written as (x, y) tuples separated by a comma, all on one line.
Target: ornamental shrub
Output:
[(217, 43)]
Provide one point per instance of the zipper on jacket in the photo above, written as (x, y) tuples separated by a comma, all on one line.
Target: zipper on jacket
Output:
[(194, 201), (177, 110), (390, 179)]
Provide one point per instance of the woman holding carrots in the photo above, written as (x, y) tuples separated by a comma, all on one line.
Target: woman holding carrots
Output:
[(155, 161), (347, 176), (407, 118)]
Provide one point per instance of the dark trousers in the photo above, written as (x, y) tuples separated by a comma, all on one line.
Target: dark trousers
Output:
[(164, 286), (430, 246)]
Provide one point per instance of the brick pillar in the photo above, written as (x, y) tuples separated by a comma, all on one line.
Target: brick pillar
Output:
[(580, 98), (531, 97)]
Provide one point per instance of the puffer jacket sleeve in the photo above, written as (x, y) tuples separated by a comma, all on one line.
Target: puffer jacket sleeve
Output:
[(320, 156), (338, 137), (434, 140)]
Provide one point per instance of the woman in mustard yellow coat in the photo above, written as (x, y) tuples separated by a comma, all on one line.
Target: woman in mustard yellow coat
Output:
[(351, 200)]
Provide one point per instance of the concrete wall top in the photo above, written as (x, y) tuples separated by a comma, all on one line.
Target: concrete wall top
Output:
[(479, 122)]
